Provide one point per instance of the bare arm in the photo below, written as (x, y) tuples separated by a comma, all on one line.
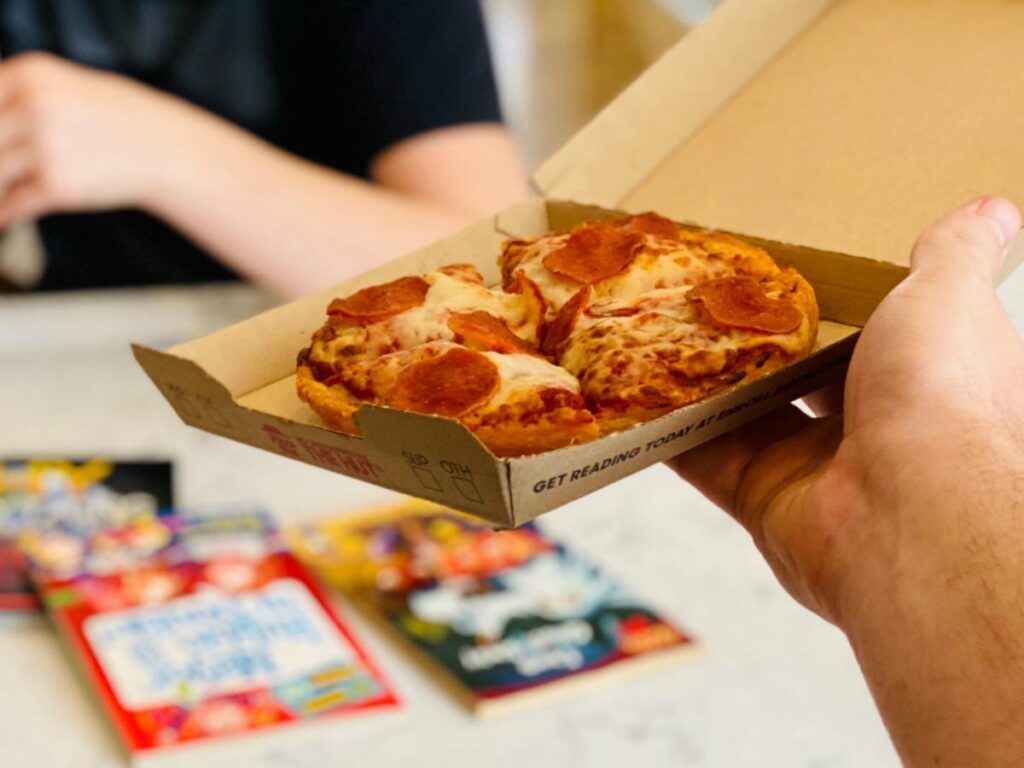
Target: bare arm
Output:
[(902, 521), (72, 138), (296, 226)]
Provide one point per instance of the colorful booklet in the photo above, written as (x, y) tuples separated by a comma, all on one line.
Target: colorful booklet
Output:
[(505, 616), (195, 632), (74, 496)]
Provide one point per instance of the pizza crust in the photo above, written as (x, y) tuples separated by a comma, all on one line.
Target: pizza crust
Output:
[(335, 405), (551, 432)]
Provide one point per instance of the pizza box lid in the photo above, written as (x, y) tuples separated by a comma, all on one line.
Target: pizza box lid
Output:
[(842, 125)]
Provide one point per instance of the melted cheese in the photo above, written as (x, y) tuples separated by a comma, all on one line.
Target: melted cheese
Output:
[(556, 290), (520, 374), (446, 296), (654, 353), (655, 269), (643, 335), (526, 373), (661, 264)]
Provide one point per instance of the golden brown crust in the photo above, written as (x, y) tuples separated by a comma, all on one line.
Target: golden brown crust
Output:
[(335, 405), (512, 253), (535, 420), (802, 295), (467, 273), (550, 432)]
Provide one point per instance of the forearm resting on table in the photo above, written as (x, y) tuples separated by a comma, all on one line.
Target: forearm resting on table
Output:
[(284, 222), (940, 636)]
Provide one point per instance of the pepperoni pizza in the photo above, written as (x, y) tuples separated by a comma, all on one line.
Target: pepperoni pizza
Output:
[(445, 344), (593, 330)]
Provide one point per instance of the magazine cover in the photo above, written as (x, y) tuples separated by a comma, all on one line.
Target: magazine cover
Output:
[(195, 632), (76, 496), (502, 613)]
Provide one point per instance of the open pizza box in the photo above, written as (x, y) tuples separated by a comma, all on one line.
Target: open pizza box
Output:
[(830, 132)]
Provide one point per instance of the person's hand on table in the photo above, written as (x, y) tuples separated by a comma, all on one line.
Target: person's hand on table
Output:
[(902, 519), (75, 138)]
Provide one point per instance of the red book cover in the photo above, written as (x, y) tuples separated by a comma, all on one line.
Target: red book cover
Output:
[(200, 634)]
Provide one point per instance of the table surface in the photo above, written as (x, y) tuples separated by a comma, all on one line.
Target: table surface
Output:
[(775, 686)]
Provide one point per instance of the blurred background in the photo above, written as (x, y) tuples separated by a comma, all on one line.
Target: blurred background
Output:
[(556, 65), (559, 63), (775, 686)]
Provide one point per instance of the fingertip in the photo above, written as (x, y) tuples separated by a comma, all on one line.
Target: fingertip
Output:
[(973, 239), (1002, 215)]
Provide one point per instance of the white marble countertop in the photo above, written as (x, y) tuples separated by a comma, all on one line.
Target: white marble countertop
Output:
[(775, 686)]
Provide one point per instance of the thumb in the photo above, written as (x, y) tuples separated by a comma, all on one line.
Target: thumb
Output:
[(969, 243)]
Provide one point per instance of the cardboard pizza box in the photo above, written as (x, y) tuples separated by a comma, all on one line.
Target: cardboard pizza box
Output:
[(830, 132)]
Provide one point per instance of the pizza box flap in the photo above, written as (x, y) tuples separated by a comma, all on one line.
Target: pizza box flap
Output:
[(843, 125)]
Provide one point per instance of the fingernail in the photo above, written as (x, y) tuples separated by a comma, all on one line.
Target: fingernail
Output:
[(1004, 216)]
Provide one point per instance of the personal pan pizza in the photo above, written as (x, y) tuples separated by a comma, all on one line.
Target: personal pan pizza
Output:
[(591, 331)]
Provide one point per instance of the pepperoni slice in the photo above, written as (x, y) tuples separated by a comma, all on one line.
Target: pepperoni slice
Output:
[(561, 327), (520, 282), (650, 224), (379, 302), (482, 329), (594, 252), (740, 302), (451, 384)]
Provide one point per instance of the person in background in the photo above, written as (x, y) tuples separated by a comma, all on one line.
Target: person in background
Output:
[(182, 141), (898, 515)]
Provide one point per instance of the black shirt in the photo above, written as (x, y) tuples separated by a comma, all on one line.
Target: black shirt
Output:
[(335, 81)]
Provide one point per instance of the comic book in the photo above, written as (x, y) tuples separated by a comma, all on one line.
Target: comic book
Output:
[(72, 495), (202, 637), (504, 616)]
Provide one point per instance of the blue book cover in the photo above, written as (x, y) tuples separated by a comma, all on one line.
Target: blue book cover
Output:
[(74, 496), (499, 613)]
